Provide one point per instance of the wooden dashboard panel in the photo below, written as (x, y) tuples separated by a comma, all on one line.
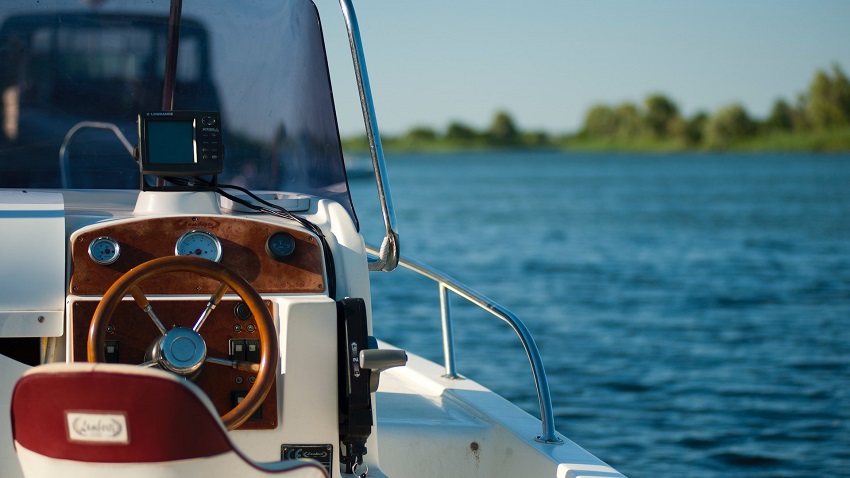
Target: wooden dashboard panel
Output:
[(131, 332), (243, 244)]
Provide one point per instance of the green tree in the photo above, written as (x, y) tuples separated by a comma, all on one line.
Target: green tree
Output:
[(781, 117), (421, 134), (841, 93), (502, 130), (820, 107), (730, 124), (629, 121), (829, 99), (688, 132), (800, 115), (460, 132), (660, 113), (696, 128), (600, 121), (536, 139)]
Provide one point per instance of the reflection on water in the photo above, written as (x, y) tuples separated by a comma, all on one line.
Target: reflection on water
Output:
[(693, 311)]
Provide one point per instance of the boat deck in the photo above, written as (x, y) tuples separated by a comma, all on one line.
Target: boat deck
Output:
[(419, 410)]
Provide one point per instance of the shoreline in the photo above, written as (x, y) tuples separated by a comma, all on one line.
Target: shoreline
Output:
[(835, 140)]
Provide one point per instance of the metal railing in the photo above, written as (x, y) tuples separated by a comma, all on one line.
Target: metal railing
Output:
[(388, 256), (69, 136), (446, 284)]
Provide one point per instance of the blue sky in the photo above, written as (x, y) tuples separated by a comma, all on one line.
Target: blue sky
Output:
[(547, 62)]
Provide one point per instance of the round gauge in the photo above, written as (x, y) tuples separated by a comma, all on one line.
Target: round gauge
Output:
[(104, 250), (200, 243), (280, 245)]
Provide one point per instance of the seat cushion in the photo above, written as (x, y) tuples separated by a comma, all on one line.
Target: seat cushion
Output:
[(104, 413)]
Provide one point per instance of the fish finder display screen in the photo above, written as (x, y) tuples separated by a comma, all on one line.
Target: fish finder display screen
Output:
[(180, 143), (171, 142)]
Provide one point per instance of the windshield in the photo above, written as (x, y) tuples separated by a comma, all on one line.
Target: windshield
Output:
[(260, 63)]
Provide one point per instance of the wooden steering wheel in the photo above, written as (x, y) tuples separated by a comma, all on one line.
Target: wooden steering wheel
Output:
[(182, 350)]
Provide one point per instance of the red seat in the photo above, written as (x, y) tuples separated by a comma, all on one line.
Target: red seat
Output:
[(93, 420)]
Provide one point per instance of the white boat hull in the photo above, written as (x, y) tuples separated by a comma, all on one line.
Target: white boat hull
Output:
[(433, 426)]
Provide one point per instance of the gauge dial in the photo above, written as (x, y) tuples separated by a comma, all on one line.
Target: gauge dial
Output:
[(200, 243), (280, 245), (104, 250)]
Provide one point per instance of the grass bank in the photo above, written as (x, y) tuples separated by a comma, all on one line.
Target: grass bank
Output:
[(833, 140)]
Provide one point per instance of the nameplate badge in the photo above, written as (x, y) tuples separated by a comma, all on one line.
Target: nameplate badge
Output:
[(92, 427)]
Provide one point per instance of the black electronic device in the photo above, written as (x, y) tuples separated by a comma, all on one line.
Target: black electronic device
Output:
[(180, 143), (355, 399)]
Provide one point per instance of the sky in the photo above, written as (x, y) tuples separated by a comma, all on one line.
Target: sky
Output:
[(547, 62)]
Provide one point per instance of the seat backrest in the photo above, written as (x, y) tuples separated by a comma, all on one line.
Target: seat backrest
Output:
[(101, 417)]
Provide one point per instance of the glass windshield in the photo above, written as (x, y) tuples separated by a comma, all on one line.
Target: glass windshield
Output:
[(260, 63)]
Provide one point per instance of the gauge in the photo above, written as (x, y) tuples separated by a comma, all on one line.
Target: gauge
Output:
[(200, 243), (280, 245), (104, 250)]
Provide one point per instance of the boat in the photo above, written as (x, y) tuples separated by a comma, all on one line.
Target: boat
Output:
[(185, 288), (358, 167)]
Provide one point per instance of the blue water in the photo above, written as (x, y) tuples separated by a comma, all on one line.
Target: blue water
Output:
[(693, 311)]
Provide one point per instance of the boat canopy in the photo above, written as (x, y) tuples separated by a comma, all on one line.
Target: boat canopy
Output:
[(75, 75)]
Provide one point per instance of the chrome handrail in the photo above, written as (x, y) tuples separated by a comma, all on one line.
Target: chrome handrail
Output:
[(66, 142), (446, 283), (388, 256)]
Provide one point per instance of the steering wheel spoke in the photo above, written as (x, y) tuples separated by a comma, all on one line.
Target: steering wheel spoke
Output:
[(211, 305), (236, 364), (146, 307)]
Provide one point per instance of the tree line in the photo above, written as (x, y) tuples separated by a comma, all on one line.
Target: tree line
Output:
[(502, 133), (825, 106), (819, 118)]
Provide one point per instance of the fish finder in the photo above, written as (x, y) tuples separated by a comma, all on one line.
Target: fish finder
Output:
[(180, 143)]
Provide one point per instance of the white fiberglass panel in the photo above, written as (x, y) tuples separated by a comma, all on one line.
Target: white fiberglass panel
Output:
[(32, 264)]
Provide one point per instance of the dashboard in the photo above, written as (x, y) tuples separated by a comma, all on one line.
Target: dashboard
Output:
[(254, 249), (273, 258)]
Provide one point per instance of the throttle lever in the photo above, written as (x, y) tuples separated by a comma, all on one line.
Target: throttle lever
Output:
[(377, 360)]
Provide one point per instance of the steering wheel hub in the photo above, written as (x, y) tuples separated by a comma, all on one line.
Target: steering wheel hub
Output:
[(181, 350)]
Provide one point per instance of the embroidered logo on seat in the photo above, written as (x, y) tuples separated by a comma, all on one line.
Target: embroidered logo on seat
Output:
[(95, 427)]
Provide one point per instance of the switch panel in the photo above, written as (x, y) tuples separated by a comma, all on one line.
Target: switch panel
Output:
[(237, 350), (111, 351), (243, 350), (252, 351), (237, 397)]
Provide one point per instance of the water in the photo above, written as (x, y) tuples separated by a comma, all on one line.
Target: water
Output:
[(693, 311)]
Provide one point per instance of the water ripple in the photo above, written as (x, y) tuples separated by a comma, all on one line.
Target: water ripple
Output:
[(693, 310)]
